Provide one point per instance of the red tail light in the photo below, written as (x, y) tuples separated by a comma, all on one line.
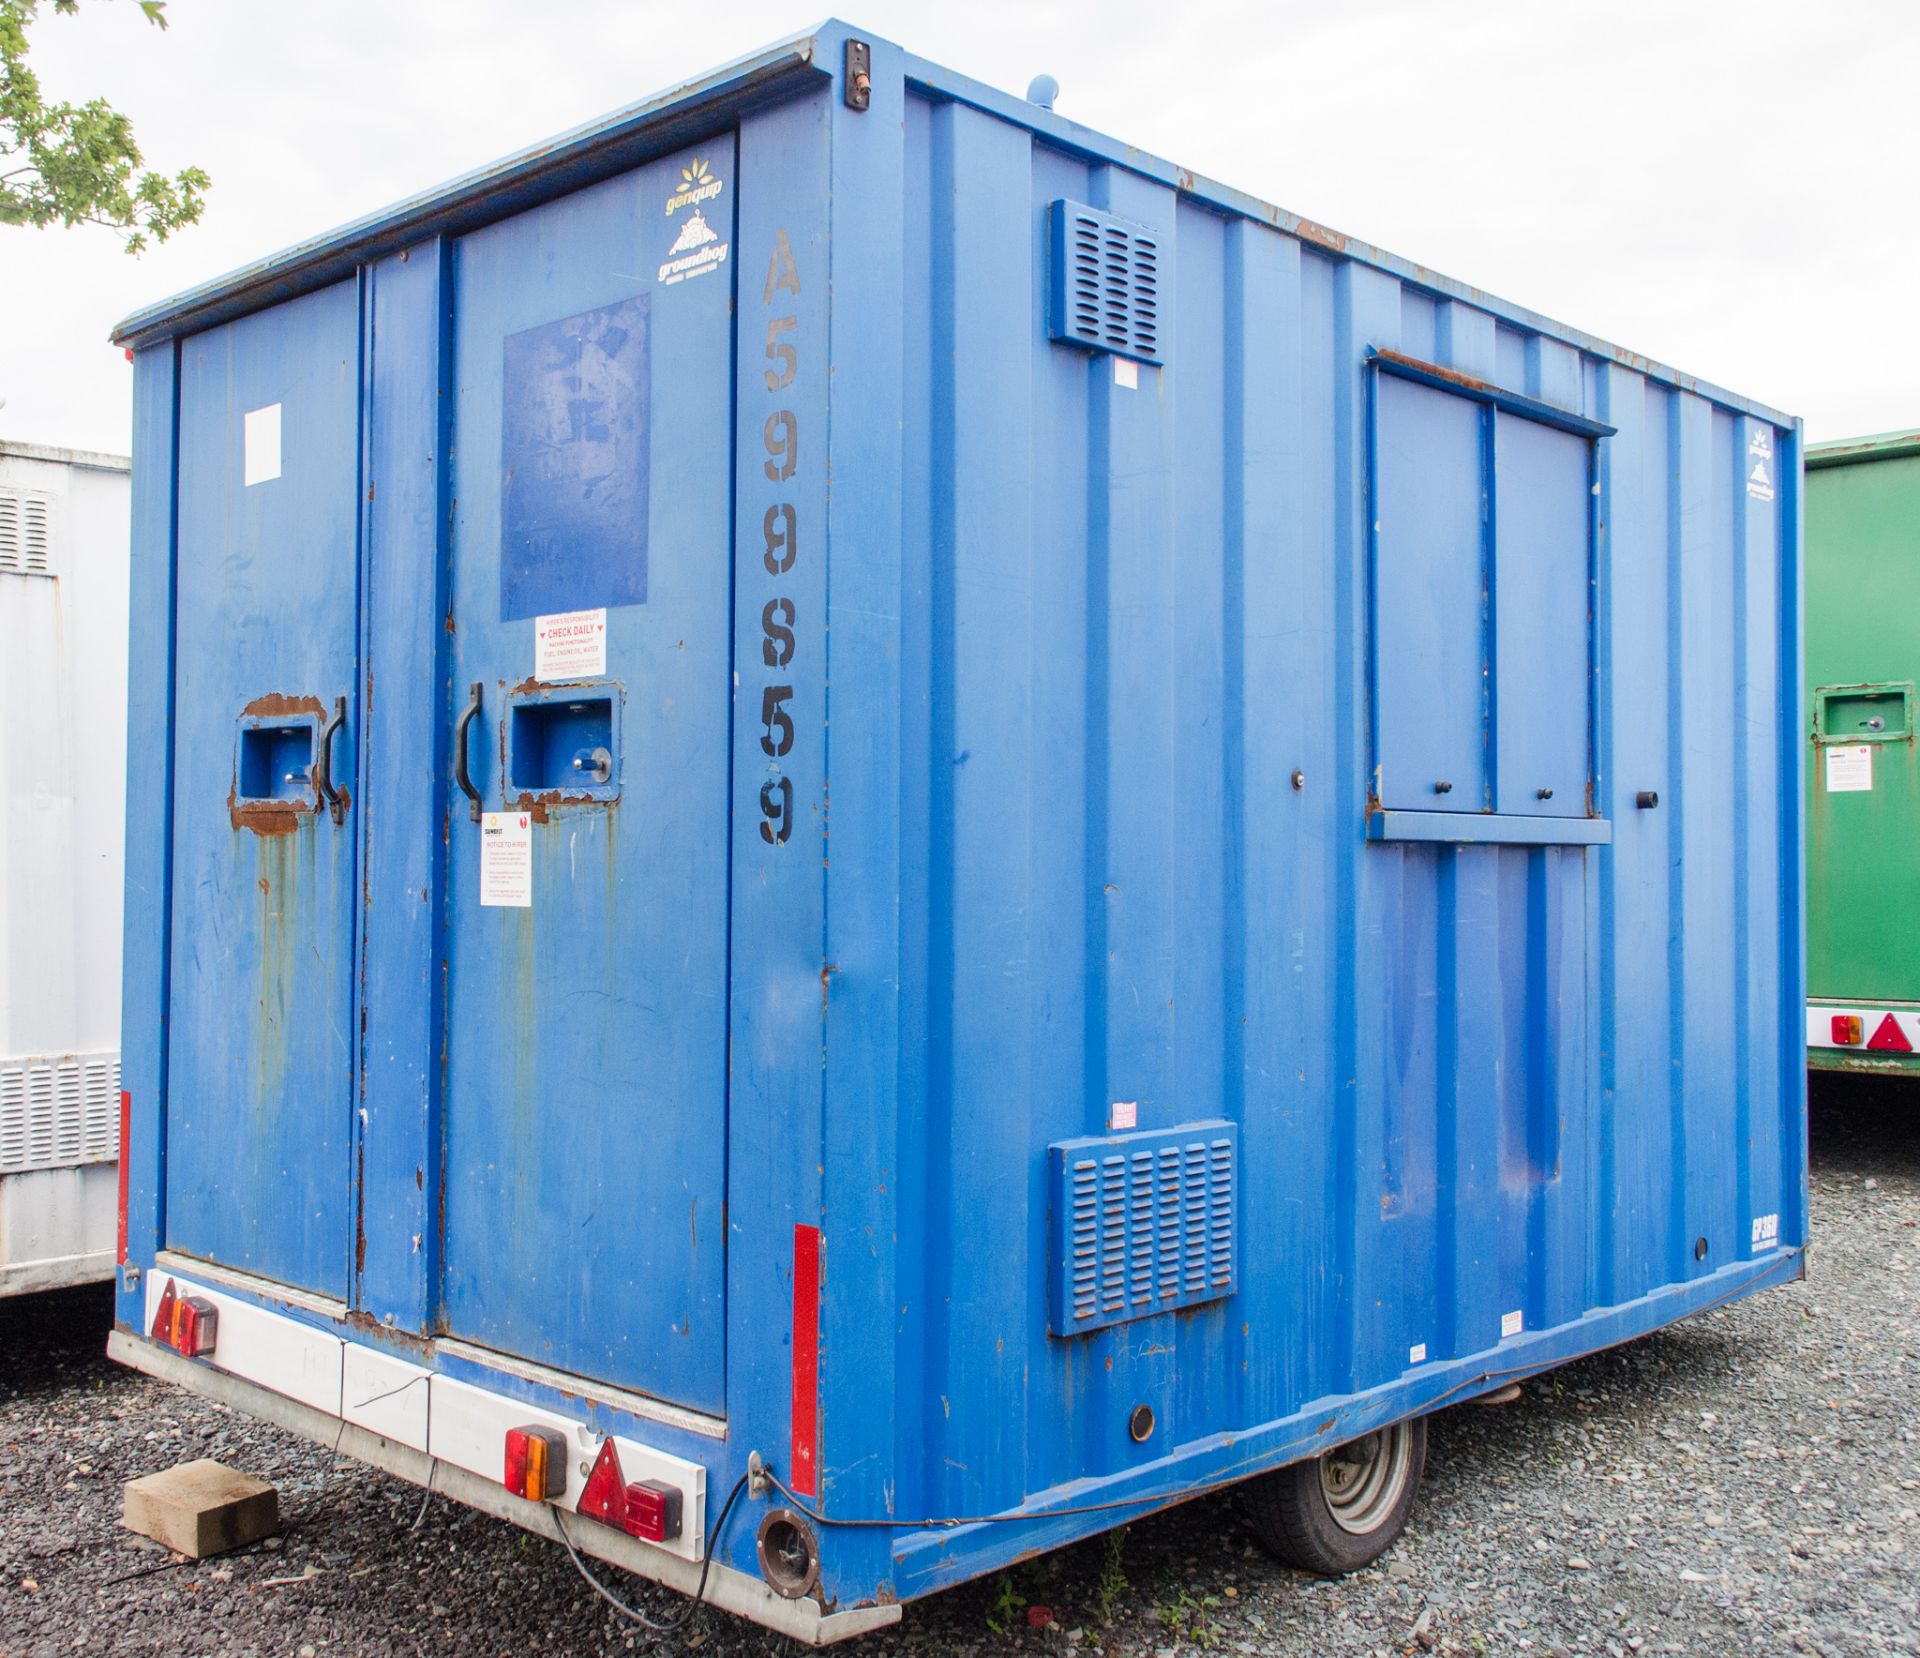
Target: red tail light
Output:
[(189, 1324), (1846, 1030), (653, 1511), (536, 1463), (647, 1509), (196, 1326)]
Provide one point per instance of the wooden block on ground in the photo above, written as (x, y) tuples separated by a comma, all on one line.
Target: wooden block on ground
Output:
[(201, 1508)]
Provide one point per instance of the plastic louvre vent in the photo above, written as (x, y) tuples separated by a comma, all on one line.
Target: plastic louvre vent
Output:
[(1140, 1224), (59, 1113), (1106, 281), (26, 534)]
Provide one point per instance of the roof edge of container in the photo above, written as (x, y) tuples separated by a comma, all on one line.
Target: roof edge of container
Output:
[(655, 124), (584, 155), (95, 460), (1064, 134), (1882, 446)]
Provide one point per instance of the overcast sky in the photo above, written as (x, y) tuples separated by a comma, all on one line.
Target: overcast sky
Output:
[(1726, 187)]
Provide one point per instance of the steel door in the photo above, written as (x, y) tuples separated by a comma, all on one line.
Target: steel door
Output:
[(586, 1042), (260, 1033)]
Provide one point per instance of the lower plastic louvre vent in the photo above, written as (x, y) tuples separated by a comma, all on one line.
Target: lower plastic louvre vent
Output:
[(1140, 1224)]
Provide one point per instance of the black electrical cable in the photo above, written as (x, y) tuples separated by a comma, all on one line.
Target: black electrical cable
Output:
[(658, 1626), (433, 1465)]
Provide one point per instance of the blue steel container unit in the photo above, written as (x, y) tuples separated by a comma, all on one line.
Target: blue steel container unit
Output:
[(836, 778)]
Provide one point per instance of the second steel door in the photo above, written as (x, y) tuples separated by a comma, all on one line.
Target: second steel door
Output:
[(587, 906)]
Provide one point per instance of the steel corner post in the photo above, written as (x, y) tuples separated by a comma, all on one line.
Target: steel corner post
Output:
[(864, 1065), (148, 910)]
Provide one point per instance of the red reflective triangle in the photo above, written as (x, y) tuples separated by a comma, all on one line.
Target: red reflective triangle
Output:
[(163, 1316), (1890, 1038), (604, 1497)]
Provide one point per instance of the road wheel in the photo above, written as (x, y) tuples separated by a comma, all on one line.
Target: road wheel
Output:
[(1340, 1511)]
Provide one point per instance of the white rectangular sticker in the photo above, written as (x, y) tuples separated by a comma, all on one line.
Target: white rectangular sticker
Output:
[(1510, 1325), (572, 645), (506, 860), (1760, 457), (1126, 372), (260, 445), (1850, 768)]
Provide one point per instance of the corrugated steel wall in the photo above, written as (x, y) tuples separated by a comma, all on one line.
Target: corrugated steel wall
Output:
[(1471, 1081), (63, 686)]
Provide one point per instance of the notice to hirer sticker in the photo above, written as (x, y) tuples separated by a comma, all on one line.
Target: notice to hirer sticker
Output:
[(506, 860), (572, 645), (1849, 768)]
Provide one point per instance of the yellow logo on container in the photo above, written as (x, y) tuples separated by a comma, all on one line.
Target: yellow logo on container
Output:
[(697, 184)]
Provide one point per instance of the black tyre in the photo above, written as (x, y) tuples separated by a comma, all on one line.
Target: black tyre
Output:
[(1341, 1511)]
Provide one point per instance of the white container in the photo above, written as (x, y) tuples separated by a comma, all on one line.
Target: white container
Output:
[(63, 693)]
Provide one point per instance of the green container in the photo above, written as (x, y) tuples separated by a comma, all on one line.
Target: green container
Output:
[(1863, 785)]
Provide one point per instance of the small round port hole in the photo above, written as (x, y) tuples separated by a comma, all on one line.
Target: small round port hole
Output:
[(789, 1560), (1140, 1424)]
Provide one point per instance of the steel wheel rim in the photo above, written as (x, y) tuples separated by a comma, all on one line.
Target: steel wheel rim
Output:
[(1363, 1480)]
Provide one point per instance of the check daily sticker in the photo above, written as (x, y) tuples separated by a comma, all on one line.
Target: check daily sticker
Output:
[(571, 645)]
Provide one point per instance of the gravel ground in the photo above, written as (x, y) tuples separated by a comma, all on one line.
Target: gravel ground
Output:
[(1748, 1482)]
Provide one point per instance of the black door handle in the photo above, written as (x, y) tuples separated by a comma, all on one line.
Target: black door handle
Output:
[(460, 751), (336, 799)]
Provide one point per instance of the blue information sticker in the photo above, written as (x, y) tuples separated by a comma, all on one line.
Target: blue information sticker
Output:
[(574, 438)]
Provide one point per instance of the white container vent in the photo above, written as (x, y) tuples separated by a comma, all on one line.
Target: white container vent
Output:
[(59, 1112), (26, 534)]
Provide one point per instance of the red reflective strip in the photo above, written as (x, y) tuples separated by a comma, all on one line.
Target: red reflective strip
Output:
[(803, 1476), (126, 1125)]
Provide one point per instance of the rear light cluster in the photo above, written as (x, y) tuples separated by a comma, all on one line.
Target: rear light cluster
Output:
[(537, 1470), (1887, 1036), (536, 1463), (647, 1509), (189, 1324)]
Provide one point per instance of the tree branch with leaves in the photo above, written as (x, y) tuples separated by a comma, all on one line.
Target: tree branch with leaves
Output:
[(74, 164)]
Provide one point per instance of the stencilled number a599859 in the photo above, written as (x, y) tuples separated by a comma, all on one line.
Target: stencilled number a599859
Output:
[(786, 351)]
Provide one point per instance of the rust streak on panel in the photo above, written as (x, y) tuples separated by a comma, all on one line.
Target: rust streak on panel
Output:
[(540, 806), (1453, 376), (1308, 231), (282, 704), (266, 817)]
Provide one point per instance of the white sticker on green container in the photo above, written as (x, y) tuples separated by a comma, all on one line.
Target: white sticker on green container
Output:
[(1849, 768)]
